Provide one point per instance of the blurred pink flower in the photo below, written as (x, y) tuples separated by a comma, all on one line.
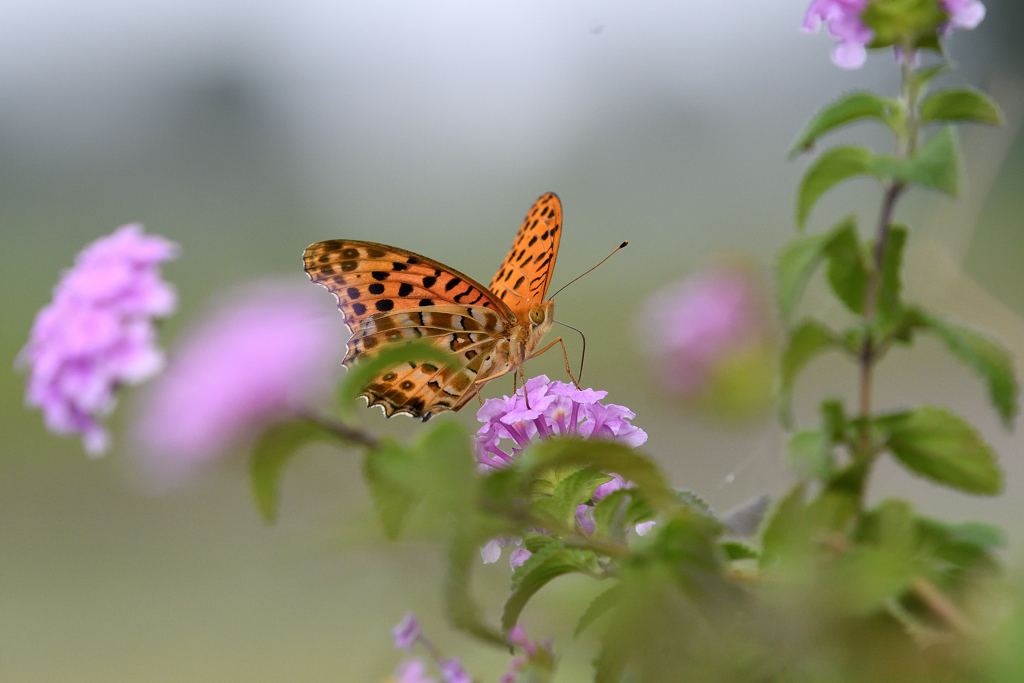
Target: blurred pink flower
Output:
[(964, 13), (97, 333), (843, 20), (406, 632), (412, 671), (689, 327), (255, 359)]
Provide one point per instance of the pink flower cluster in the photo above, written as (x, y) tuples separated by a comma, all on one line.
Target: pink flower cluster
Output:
[(258, 357), (843, 18), (97, 333), (691, 325), (407, 634), (555, 408), (532, 651)]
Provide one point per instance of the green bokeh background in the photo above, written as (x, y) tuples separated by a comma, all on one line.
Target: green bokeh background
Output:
[(679, 148)]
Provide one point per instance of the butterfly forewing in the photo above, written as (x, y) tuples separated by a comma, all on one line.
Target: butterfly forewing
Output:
[(524, 275), (389, 295)]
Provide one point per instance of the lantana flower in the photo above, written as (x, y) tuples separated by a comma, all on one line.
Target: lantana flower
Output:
[(257, 358), (97, 333), (842, 18), (966, 14), (555, 409)]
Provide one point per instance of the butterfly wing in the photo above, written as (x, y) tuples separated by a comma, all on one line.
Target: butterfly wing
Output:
[(524, 275), (389, 295)]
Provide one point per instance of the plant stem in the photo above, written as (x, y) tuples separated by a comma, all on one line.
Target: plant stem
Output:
[(340, 429), (906, 145)]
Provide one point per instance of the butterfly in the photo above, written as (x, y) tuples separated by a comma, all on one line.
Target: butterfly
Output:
[(390, 295)]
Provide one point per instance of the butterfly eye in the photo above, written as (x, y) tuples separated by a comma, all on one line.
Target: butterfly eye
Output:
[(537, 315)]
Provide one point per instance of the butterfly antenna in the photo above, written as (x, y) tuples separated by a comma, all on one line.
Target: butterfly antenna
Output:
[(621, 246), (583, 355)]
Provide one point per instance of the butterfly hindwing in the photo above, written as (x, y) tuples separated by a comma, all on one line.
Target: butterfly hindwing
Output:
[(524, 275)]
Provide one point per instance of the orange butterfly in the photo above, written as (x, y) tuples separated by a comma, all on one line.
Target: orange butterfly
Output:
[(389, 295)]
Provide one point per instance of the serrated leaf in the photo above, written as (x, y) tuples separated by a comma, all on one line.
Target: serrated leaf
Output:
[(536, 576), (830, 169), (606, 456), (937, 444), (806, 341), (847, 273), (387, 470), (597, 608), (571, 491), (272, 451), (849, 109), (960, 104), (985, 356), (370, 366), (810, 454), (736, 550), (936, 165)]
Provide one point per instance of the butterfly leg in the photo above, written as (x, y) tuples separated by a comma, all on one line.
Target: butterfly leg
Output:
[(565, 356)]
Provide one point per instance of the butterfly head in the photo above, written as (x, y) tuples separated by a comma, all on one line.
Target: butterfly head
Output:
[(542, 317)]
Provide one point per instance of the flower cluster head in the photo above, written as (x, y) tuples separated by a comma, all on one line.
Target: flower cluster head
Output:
[(258, 357), (553, 409), (844, 19), (97, 333), (534, 653), (407, 634), (693, 330)]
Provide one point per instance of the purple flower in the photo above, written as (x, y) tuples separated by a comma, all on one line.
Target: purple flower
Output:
[(518, 557), (533, 650), (555, 409), (844, 23), (97, 333), (453, 672), (256, 358), (406, 632), (491, 552), (964, 13), (691, 327), (412, 671)]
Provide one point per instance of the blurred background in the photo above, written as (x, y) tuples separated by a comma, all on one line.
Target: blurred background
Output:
[(245, 131)]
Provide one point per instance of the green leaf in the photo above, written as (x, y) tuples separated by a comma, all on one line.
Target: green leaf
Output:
[(961, 104), (448, 471), (597, 608), (889, 304), (882, 565), (535, 575), (924, 75), (387, 471), (810, 454), (985, 356), (939, 445), (573, 490), (807, 341), (369, 366), (796, 264), (737, 550), (782, 530), (851, 108), (830, 169), (606, 456), (936, 165), (272, 452), (847, 272)]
